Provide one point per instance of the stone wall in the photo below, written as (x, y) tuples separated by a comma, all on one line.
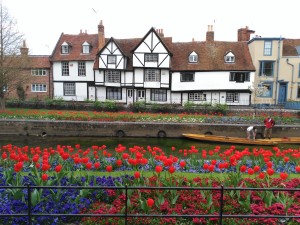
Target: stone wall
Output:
[(134, 129)]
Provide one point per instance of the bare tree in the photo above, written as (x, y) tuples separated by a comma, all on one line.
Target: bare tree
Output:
[(12, 62)]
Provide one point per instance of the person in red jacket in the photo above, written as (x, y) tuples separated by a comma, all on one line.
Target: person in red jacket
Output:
[(269, 124)]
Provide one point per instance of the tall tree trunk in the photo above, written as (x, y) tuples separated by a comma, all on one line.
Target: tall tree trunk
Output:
[(2, 103)]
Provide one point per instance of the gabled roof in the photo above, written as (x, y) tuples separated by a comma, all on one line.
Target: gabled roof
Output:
[(126, 46), (160, 38), (75, 42), (211, 56), (289, 47)]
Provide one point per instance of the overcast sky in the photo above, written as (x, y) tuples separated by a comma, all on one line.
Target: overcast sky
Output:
[(43, 21)]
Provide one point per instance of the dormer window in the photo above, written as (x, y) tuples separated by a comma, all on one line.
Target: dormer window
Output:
[(193, 57), (229, 58), (85, 48), (65, 48)]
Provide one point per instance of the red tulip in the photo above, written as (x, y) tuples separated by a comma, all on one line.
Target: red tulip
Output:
[(45, 177), (211, 168), (150, 202), (284, 176), (172, 169), (261, 175), (297, 168), (58, 168), (250, 171), (158, 169), (88, 165), (137, 175), (256, 169), (270, 171), (205, 166), (182, 164), (269, 164), (286, 159), (109, 168), (45, 166), (119, 162), (97, 165), (18, 166), (243, 168), (4, 155)]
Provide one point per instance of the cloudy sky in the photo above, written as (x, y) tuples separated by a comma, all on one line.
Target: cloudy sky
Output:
[(43, 21)]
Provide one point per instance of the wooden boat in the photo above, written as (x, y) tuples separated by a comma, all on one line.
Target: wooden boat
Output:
[(245, 141)]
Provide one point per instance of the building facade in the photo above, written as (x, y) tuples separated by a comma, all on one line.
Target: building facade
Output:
[(152, 69), (277, 77)]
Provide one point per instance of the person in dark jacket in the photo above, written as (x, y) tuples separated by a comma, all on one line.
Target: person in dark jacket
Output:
[(269, 124)]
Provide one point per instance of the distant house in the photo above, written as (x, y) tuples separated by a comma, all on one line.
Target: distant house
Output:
[(277, 62), (152, 69), (36, 78)]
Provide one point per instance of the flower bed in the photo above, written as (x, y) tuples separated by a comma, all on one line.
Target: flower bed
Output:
[(137, 166), (234, 118)]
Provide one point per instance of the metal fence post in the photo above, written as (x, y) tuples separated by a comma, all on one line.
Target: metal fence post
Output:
[(29, 204), (221, 205), (126, 195)]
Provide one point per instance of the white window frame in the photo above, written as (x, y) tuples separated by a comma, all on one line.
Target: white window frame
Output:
[(65, 48), (85, 48), (268, 48), (152, 75), (232, 97), (113, 93), (158, 95), (69, 89), (266, 71), (151, 57), (193, 57), (81, 68), (38, 88), (197, 96), (111, 59), (187, 77), (38, 72), (239, 77), (65, 69), (229, 58), (112, 76)]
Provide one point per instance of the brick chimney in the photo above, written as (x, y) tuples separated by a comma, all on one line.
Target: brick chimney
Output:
[(24, 49), (210, 36), (101, 36), (244, 34), (160, 33)]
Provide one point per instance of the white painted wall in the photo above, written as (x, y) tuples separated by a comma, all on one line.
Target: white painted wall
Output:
[(81, 91), (138, 77), (209, 81), (73, 72)]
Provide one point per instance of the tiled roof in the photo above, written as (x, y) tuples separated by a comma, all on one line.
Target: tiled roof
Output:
[(211, 56), (76, 42), (40, 61), (289, 47)]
